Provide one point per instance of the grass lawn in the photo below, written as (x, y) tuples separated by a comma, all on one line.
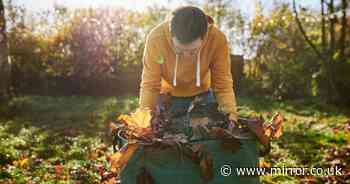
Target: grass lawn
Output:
[(62, 139)]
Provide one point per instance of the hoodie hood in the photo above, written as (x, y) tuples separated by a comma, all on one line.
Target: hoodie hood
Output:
[(178, 55)]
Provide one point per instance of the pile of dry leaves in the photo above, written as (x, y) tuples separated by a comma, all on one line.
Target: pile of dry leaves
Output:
[(160, 130)]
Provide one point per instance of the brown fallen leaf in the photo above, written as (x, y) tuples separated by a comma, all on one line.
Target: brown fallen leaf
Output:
[(275, 129), (227, 142), (232, 145), (204, 160), (206, 167), (256, 126), (264, 164), (58, 170), (197, 148), (202, 121), (218, 132), (120, 159), (144, 177)]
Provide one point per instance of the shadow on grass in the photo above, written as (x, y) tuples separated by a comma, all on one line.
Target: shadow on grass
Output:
[(86, 114), (302, 107), (62, 121)]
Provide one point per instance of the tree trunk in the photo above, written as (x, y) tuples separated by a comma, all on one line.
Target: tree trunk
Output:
[(324, 40), (331, 62), (237, 66), (4, 63), (331, 28), (343, 38)]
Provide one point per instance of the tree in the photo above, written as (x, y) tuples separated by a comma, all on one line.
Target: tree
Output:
[(4, 63), (282, 62), (333, 53)]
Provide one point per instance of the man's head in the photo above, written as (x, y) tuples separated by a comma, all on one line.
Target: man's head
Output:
[(188, 27)]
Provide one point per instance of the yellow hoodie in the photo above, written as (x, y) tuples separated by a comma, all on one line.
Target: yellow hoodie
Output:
[(166, 71)]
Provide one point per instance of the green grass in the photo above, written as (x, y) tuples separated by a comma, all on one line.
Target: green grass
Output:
[(313, 132), (50, 131), (62, 139)]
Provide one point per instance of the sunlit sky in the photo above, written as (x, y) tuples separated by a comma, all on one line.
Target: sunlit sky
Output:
[(246, 6)]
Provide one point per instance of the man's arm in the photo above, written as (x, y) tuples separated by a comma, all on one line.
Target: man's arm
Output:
[(151, 76), (221, 79)]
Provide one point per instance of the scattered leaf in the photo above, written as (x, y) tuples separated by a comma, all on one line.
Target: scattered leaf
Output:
[(275, 129), (141, 118), (58, 170), (22, 163), (119, 159), (206, 167), (264, 164), (144, 177)]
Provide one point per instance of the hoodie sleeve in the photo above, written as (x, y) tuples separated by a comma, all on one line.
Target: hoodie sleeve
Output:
[(151, 76), (221, 79)]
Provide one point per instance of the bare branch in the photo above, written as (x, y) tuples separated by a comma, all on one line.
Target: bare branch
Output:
[(307, 39)]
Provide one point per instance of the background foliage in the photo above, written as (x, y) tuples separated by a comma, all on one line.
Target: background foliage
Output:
[(81, 51)]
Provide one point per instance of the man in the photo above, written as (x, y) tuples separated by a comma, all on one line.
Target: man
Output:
[(187, 56)]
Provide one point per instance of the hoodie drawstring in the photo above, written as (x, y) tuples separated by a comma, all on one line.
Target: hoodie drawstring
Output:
[(175, 69), (198, 69)]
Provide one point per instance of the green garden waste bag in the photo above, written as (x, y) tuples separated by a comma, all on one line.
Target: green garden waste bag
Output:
[(215, 162), (167, 166)]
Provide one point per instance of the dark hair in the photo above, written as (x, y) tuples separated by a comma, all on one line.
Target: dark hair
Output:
[(188, 23)]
